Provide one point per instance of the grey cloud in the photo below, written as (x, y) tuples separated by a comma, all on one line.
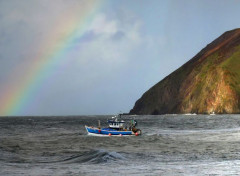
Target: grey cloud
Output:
[(118, 35)]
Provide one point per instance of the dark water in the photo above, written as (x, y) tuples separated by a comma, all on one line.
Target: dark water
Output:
[(170, 145)]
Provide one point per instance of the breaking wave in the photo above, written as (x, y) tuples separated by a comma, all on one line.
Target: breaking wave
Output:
[(95, 157)]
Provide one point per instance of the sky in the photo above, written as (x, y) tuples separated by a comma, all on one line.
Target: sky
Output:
[(96, 57)]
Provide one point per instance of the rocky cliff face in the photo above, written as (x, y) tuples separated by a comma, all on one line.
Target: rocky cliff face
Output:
[(209, 82)]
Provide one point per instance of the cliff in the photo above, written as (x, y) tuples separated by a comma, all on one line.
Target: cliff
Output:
[(209, 82)]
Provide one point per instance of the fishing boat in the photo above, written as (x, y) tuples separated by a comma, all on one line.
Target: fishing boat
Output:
[(116, 127)]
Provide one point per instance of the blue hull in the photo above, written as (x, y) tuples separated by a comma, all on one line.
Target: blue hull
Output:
[(107, 131)]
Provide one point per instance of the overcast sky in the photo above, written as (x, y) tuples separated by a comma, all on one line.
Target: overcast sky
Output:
[(126, 47)]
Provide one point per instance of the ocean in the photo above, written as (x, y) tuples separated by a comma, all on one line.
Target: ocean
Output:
[(170, 145)]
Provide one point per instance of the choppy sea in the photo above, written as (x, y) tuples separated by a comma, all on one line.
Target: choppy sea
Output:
[(170, 145)]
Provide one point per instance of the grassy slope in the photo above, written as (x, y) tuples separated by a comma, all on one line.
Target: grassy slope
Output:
[(205, 78), (232, 68), (204, 88), (208, 82), (216, 87)]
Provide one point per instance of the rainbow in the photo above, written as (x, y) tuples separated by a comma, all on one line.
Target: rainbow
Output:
[(18, 97)]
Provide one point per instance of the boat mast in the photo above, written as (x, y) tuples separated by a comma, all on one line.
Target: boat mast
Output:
[(99, 124)]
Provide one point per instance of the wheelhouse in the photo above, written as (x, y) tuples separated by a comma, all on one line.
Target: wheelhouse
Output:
[(116, 124)]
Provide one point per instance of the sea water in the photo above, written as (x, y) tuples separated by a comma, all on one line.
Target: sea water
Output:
[(170, 145)]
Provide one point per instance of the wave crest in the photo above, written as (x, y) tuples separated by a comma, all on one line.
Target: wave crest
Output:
[(95, 157)]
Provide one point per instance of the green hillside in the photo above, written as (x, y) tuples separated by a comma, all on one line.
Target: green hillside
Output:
[(209, 82)]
